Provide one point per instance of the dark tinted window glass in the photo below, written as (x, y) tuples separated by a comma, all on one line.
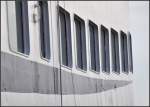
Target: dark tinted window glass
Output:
[(44, 29), (130, 53), (22, 27), (94, 46), (81, 43), (105, 49), (124, 52), (65, 28), (115, 51)]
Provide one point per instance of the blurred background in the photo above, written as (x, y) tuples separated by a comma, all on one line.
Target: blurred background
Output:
[(139, 28)]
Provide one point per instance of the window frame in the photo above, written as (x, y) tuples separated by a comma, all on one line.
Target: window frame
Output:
[(66, 13), (95, 28), (124, 69), (130, 53), (116, 34), (8, 21), (103, 28), (82, 21), (42, 57)]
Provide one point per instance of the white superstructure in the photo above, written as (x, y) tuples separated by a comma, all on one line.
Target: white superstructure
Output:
[(110, 14)]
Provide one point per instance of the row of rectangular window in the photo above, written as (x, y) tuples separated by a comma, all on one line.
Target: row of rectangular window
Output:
[(94, 47), (66, 44)]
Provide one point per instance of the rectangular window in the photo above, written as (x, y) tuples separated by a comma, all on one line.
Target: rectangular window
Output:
[(65, 31), (81, 43), (130, 53), (124, 52), (44, 30), (94, 46), (22, 26), (115, 51), (105, 49)]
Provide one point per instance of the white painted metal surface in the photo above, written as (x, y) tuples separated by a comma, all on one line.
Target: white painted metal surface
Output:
[(108, 13)]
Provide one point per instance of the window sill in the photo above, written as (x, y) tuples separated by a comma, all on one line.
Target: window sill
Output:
[(45, 59), (116, 72), (126, 72), (66, 67), (97, 72), (19, 53), (79, 69), (106, 72)]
